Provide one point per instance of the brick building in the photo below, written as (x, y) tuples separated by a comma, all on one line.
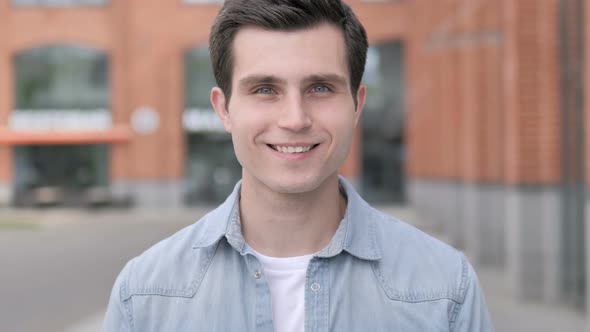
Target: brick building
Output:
[(491, 92), (495, 132), (110, 98)]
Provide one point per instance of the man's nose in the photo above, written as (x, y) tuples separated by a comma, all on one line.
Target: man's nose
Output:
[(294, 115)]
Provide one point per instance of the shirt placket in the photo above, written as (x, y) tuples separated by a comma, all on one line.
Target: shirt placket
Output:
[(262, 301), (317, 296)]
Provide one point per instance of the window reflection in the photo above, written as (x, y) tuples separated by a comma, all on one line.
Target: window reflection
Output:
[(56, 175), (212, 168), (382, 124), (60, 88), (63, 77)]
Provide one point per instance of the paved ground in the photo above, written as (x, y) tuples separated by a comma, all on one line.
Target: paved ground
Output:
[(57, 277), (53, 276)]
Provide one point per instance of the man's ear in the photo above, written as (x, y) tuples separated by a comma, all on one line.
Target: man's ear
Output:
[(361, 96), (218, 101)]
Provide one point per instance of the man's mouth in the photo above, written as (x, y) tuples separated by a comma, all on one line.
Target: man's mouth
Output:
[(292, 149)]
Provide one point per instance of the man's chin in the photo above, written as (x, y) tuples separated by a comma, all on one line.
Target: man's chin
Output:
[(288, 183), (297, 186), (292, 187)]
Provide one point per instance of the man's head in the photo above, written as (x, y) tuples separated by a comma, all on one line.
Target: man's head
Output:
[(296, 92), (284, 15)]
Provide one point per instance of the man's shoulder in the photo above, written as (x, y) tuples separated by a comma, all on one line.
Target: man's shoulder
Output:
[(416, 266), (174, 265)]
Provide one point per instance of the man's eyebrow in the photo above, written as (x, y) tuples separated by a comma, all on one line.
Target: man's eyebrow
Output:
[(333, 78), (257, 79)]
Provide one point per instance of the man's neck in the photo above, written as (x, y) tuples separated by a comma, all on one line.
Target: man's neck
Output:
[(287, 225)]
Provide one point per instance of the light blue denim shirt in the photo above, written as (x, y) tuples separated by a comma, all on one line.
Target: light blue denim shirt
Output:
[(377, 274)]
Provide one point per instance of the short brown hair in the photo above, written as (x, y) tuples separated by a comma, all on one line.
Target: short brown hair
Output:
[(284, 15)]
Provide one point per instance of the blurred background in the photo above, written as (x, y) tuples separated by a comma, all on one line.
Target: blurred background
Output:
[(474, 130)]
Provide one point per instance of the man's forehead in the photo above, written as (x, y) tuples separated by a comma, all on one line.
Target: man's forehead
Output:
[(248, 28), (333, 78), (311, 53), (328, 33)]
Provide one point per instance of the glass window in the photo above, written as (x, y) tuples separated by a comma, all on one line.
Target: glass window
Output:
[(61, 88), (60, 174), (382, 125), (199, 116), (61, 77), (212, 168), (59, 3), (199, 78), (69, 166)]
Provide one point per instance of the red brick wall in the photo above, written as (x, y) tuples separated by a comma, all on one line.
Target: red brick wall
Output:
[(484, 91), (384, 21), (532, 88), (146, 41), (483, 80), (5, 95), (587, 93)]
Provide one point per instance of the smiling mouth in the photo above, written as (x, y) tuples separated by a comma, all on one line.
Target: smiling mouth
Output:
[(293, 149)]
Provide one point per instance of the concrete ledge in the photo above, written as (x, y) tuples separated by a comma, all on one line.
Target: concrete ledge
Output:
[(437, 204), (587, 244), (533, 219), (150, 194), (518, 226), (482, 210), (5, 194), (471, 215)]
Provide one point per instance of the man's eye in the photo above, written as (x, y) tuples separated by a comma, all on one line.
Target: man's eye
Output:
[(320, 88), (264, 90)]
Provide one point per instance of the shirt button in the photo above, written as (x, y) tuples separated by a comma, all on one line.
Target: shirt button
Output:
[(315, 287), (257, 274)]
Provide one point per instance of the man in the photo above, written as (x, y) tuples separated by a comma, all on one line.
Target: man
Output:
[(294, 248)]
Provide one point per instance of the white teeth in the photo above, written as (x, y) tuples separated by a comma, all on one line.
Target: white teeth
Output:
[(292, 149)]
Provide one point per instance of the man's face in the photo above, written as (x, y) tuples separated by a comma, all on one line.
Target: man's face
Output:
[(291, 114)]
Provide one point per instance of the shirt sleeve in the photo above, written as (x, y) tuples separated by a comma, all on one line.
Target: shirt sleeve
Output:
[(472, 314), (118, 315)]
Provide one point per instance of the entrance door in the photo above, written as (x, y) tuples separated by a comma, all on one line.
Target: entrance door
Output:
[(58, 174)]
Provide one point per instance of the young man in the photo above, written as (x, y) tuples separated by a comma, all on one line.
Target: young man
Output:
[(294, 248)]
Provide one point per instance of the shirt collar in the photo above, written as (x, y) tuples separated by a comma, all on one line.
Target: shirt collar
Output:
[(356, 234)]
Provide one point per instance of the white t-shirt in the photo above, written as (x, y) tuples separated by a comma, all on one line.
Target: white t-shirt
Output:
[(286, 279)]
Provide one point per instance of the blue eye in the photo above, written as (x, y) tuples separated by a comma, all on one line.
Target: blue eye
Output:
[(264, 90), (320, 88)]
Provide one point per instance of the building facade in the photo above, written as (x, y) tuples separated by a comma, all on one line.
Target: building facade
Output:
[(107, 101), (496, 124)]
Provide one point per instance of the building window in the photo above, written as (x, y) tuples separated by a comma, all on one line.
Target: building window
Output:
[(59, 174), (199, 116), (59, 3), (383, 123), (212, 168), (61, 88)]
